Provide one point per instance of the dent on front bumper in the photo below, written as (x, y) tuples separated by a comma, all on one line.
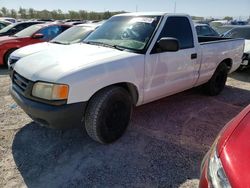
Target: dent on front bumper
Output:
[(63, 116)]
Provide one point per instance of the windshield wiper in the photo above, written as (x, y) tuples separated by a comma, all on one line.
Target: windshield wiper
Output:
[(57, 42), (105, 45)]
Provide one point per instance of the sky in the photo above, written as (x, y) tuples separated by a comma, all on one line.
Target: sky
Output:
[(207, 8)]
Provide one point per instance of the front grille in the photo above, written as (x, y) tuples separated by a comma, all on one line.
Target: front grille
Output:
[(20, 83)]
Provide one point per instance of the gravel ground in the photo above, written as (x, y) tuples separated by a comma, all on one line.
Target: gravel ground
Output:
[(163, 146)]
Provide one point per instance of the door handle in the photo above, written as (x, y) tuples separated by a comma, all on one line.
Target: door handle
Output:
[(194, 56)]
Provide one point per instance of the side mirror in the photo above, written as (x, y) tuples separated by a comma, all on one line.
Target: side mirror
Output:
[(168, 44), (38, 36)]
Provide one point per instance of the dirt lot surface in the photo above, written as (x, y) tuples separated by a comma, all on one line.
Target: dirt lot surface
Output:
[(163, 147)]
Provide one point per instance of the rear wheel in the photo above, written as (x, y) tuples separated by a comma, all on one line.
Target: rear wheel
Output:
[(108, 114), (218, 81)]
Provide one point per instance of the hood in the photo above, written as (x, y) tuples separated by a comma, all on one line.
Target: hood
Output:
[(235, 152), (247, 46), (51, 65), (31, 49)]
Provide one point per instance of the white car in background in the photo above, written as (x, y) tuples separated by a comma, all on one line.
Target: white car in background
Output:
[(73, 35), (242, 32), (12, 20)]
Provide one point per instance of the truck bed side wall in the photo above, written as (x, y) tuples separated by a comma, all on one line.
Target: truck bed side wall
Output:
[(213, 53)]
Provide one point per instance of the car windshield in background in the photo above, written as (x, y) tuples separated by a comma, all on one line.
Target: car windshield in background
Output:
[(239, 33), (73, 35), (223, 29), (127, 32), (7, 28), (28, 32)]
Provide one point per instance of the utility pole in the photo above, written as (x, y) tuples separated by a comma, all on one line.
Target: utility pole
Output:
[(175, 7)]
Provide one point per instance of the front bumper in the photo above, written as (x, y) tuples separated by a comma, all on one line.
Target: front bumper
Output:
[(245, 60), (61, 117)]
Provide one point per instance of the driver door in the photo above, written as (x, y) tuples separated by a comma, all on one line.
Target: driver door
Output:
[(167, 73)]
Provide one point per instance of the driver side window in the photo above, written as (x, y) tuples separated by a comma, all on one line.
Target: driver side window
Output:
[(179, 28)]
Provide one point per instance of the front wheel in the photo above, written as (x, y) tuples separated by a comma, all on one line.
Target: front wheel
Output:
[(108, 114), (218, 81)]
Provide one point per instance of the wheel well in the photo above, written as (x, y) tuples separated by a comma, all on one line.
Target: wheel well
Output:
[(228, 62), (131, 88), (5, 60)]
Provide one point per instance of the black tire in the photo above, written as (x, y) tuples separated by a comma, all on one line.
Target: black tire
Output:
[(218, 81), (7, 55), (108, 114)]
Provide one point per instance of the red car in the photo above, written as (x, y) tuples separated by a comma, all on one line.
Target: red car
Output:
[(227, 164), (31, 35)]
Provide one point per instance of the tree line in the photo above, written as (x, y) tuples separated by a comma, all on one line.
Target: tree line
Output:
[(31, 13)]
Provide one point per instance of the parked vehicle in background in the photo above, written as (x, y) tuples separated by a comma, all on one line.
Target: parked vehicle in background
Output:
[(205, 30), (72, 20), (218, 23), (76, 22), (132, 59), (227, 162), (223, 29), (242, 32), (46, 20), (31, 35), (4, 23), (16, 27), (73, 35), (12, 20), (235, 22)]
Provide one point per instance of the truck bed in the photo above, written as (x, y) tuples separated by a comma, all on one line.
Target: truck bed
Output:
[(204, 40), (215, 50)]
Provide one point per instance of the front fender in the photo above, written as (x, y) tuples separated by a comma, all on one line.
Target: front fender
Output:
[(86, 82)]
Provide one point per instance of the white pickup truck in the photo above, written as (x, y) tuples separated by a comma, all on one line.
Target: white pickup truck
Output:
[(132, 59)]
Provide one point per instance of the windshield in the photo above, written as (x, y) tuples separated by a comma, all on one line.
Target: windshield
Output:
[(239, 33), (29, 31), (73, 35), (128, 32), (7, 28)]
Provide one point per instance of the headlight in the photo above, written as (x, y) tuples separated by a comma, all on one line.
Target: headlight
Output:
[(216, 173), (50, 91)]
